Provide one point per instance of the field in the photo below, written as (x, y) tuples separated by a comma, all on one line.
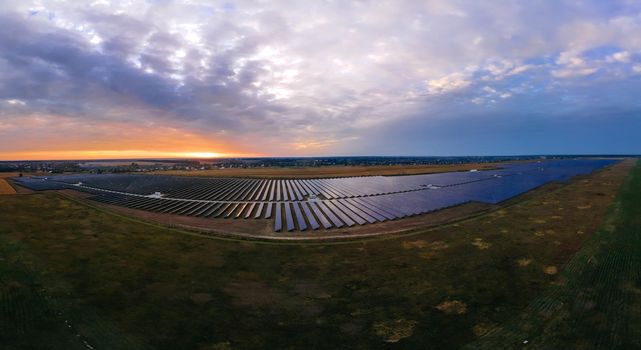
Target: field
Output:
[(5, 188), (558, 270), (329, 171)]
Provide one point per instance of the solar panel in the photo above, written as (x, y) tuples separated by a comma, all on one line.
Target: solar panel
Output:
[(222, 209), (241, 208), (250, 210), (290, 190), (257, 192), (278, 223), (231, 210), (285, 191), (153, 202), (299, 217), (372, 212), (310, 187), (268, 212), (333, 218), (271, 190), (211, 212), (310, 217), (344, 201), (321, 217), (297, 192), (308, 191), (170, 205), (190, 208), (259, 211), (300, 190), (205, 209), (358, 211), (348, 212), (288, 217), (346, 219)]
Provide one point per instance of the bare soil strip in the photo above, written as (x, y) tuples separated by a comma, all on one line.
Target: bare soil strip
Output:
[(5, 187)]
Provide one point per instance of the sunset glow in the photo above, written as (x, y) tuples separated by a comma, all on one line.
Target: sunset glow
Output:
[(203, 155), (208, 79), (111, 154)]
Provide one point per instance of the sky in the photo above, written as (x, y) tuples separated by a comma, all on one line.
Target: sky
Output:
[(128, 79)]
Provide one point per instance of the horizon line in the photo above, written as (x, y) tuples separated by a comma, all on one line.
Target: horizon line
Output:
[(327, 156)]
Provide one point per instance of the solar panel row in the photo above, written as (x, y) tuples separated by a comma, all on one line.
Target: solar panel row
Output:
[(315, 203)]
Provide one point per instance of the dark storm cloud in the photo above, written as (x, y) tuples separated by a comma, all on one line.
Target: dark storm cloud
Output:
[(58, 71), (63, 66)]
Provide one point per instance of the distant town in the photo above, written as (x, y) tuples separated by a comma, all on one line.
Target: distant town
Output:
[(147, 165)]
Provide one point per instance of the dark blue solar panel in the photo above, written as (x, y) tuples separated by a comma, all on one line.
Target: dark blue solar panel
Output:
[(347, 200), (319, 214), (278, 222), (300, 219), (310, 217), (328, 213), (288, 217)]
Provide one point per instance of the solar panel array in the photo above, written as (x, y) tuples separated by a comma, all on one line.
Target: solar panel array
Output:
[(311, 204)]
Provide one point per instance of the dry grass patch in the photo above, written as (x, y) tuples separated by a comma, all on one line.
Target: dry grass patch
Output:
[(501, 212), (433, 248), (479, 243), (452, 307), (415, 244), (482, 328), (427, 255), (524, 262), (439, 245), (395, 330), (551, 270)]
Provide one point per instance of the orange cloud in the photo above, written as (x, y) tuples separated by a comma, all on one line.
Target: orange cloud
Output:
[(59, 137)]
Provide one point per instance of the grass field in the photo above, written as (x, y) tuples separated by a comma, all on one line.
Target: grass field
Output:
[(596, 302), (71, 274), (330, 171), (5, 188)]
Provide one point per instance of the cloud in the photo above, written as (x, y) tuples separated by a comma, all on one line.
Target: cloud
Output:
[(621, 56), (572, 65), (447, 84), (290, 78)]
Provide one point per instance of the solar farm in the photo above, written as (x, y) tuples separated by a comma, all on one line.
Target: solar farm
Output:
[(556, 266), (313, 204)]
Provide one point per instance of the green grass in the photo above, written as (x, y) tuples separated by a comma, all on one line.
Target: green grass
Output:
[(70, 273), (597, 302)]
